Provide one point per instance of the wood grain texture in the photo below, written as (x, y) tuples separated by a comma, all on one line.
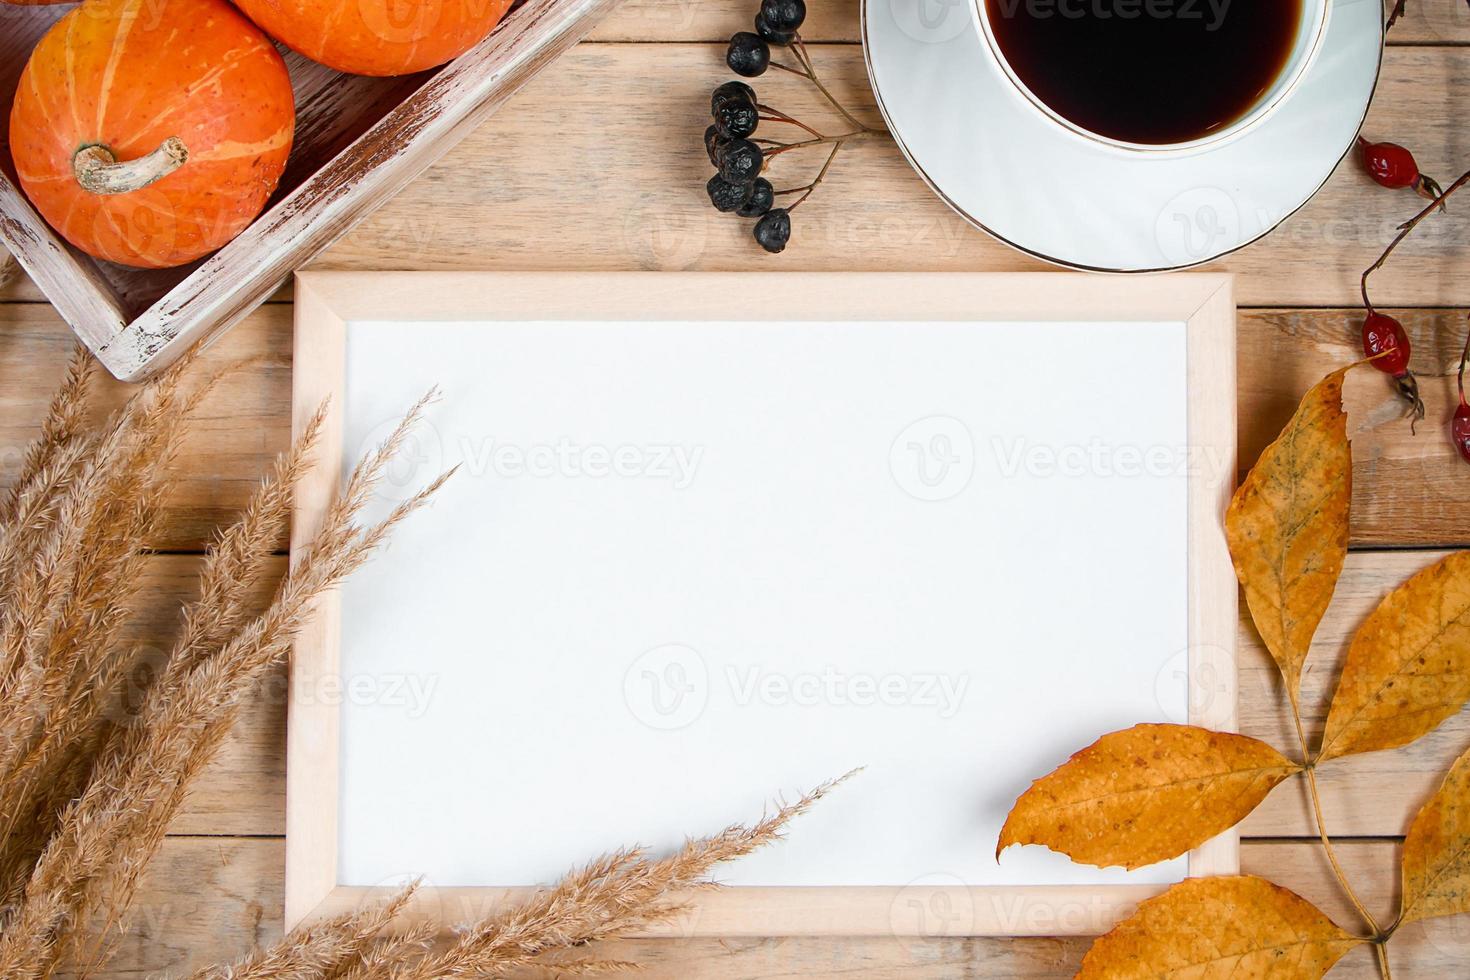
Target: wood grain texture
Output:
[(1408, 490), (1426, 22), (519, 194), (209, 898), (500, 199), (643, 207)]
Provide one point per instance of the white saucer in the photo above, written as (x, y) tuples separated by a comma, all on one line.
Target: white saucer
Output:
[(1073, 201)]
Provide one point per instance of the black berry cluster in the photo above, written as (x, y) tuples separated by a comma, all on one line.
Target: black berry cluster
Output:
[(777, 23), (738, 185), (737, 153)]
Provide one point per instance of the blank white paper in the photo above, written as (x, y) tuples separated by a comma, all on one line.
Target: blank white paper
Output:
[(686, 567)]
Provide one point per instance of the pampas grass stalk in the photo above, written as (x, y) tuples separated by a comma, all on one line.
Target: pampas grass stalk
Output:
[(85, 802), (62, 427), (611, 897), (71, 565), (328, 949), (85, 798)]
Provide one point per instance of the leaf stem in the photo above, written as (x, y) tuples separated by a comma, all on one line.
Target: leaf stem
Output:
[(1347, 888), (1380, 947), (1309, 767)]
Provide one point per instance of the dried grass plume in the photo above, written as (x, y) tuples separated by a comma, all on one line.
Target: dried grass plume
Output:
[(87, 791)]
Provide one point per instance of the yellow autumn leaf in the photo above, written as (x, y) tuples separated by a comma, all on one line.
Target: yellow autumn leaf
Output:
[(1240, 927), (1146, 794), (1408, 667), (1287, 526), (1436, 859)]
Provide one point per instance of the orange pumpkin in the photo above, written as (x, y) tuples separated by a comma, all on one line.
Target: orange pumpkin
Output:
[(151, 132), (377, 37)]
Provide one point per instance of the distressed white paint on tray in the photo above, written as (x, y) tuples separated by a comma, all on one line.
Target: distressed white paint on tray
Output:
[(359, 141)]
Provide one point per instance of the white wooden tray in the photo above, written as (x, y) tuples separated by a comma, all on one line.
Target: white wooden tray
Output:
[(358, 141)]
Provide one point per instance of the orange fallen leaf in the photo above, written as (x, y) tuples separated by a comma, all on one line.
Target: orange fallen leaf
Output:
[(1408, 667), (1436, 859), (1287, 527), (1242, 927), (1145, 795)]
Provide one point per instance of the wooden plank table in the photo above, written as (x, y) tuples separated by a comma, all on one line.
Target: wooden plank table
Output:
[(598, 165)]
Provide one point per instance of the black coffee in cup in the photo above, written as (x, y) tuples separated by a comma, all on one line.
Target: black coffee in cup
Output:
[(1148, 71)]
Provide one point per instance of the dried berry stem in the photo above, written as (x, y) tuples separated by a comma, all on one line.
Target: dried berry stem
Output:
[(1393, 18), (816, 180), (792, 122), (799, 47), (1405, 230), (776, 115), (817, 141), (794, 71), (808, 70)]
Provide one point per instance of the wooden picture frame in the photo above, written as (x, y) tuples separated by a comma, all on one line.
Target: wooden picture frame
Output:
[(326, 302)]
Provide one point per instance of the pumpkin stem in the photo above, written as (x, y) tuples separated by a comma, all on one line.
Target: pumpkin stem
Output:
[(99, 172)]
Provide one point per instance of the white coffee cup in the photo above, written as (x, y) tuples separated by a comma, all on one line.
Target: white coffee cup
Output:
[(1305, 48)]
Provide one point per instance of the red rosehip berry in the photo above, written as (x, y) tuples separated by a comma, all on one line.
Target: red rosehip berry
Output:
[(1386, 342), (1394, 166), (1389, 164), (1383, 335), (1460, 423), (1460, 430)]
